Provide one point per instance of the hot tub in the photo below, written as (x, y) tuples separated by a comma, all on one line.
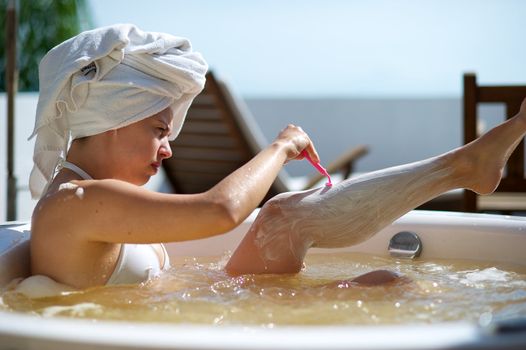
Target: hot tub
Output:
[(496, 238)]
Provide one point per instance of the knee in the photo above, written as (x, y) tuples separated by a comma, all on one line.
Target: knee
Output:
[(377, 277)]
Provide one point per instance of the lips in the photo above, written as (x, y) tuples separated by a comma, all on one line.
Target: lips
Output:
[(155, 166)]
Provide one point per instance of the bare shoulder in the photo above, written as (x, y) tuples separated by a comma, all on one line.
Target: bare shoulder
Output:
[(115, 211), (57, 211), (77, 204), (54, 229)]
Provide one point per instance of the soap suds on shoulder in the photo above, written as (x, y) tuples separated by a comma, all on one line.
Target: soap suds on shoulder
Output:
[(79, 191)]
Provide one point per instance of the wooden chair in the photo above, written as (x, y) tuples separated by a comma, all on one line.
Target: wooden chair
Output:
[(511, 194), (219, 136)]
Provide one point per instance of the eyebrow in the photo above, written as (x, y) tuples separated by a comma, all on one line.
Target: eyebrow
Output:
[(168, 127)]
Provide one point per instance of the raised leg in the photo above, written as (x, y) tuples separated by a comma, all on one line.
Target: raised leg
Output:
[(354, 210)]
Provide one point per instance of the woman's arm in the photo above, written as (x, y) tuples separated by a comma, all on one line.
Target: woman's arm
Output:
[(116, 211), (244, 189)]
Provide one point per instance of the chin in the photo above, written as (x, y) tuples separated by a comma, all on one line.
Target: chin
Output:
[(139, 181), (143, 181)]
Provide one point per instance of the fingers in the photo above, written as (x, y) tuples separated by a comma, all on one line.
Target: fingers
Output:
[(297, 141), (312, 152), (309, 148)]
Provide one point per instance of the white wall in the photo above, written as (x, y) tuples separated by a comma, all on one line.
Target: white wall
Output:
[(25, 108), (3, 161)]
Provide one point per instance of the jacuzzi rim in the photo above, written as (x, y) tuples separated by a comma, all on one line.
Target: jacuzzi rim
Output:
[(191, 336), (18, 328)]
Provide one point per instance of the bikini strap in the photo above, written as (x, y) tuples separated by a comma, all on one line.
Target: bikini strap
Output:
[(84, 175)]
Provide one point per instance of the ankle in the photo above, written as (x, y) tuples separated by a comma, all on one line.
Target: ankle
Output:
[(463, 164)]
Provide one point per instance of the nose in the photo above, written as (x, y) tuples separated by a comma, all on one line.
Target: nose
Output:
[(165, 151)]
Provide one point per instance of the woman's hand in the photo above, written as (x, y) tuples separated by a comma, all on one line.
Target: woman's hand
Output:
[(295, 140)]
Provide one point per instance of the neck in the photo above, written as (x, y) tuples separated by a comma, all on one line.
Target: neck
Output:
[(90, 157)]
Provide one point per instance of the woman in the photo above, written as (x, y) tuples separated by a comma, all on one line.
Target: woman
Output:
[(121, 94)]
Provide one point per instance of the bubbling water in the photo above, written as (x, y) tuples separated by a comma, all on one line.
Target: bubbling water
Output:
[(199, 291)]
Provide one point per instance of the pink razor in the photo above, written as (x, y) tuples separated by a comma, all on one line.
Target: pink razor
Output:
[(318, 167)]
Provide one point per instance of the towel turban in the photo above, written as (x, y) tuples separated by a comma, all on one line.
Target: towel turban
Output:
[(105, 79)]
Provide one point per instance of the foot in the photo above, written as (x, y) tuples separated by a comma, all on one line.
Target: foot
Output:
[(481, 162)]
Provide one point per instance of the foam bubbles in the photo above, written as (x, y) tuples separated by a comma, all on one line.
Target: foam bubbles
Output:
[(67, 186), (491, 274), (78, 310), (79, 191)]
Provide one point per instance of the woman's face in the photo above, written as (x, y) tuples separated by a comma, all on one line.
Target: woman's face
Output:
[(142, 146)]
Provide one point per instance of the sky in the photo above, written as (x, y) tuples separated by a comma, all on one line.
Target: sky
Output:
[(341, 48)]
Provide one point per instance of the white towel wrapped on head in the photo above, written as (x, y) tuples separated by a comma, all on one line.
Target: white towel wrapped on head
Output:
[(105, 79)]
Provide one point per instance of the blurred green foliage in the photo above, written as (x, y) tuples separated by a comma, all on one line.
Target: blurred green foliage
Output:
[(42, 24)]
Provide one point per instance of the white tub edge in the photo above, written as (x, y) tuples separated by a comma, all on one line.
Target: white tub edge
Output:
[(20, 331)]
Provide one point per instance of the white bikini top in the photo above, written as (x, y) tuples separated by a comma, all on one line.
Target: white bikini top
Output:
[(137, 262)]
